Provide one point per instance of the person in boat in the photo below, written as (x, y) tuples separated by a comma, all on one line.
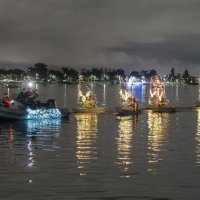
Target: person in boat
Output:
[(22, 96), (89, 102), (28, 97), (162, 102), (6, 100), (133, 103)]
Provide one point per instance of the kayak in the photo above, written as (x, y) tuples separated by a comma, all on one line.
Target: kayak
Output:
[(96, 110), (165, 109), (126, 111)]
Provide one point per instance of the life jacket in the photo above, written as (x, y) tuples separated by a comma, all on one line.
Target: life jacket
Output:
[(6, 100)]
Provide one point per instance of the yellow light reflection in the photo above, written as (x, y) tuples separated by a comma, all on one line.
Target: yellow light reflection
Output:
[(125, 142), (86, 140), (197, 138), (157, 138)]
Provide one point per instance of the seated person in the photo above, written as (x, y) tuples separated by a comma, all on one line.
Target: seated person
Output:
[(6, 99), (28, 97), (162, 102)]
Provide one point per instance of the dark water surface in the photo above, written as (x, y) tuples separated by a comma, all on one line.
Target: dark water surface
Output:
[(149, 157)]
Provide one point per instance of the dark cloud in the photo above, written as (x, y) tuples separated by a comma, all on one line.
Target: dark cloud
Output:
[(127, 33)]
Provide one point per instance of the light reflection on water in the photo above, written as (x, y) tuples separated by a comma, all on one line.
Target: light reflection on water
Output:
[(157, 137), (197, 138), (86, 140), (125, 142), (25, 137), (156, 156)]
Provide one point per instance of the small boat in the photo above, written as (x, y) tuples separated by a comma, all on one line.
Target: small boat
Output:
[(88, 104), (164, 109), (96, 110), (126, 111), (18, 111)]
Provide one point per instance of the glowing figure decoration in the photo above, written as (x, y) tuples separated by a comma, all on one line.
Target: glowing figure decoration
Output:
[(157, 92), (127, 100), (88, 100)]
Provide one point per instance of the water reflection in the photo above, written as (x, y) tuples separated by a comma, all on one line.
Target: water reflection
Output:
[(157, 138), (125, 142), (26, 137), (86, 140), (197, 138)]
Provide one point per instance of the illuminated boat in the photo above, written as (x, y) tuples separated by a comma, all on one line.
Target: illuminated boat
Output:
[(126, 111), (88, 103), (164, 109), (17, 110), (96, 110)]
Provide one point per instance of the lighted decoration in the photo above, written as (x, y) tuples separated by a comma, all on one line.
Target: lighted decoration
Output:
[(88, 100), (157, 91), (126, 98), (43, 113)]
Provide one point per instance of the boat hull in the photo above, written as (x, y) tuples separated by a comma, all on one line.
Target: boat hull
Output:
[(18, 112), (96, 110), (123, 111), (164, 109)]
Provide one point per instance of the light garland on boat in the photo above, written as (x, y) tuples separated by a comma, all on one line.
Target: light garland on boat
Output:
[(82, 98), (43, 113)]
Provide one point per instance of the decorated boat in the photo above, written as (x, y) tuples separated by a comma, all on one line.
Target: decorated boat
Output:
[(158, 101), (126, 111), (164, 109), (88, 103), (96, 110), (46, 110), (128, 104)]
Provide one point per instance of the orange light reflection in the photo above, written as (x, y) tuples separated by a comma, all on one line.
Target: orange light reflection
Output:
[(86, 140), (157, 138), (125, 142)]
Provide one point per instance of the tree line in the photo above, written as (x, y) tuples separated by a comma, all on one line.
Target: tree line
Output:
[(40, 72)]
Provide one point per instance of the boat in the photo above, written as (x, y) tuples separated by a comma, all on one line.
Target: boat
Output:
[(88, 103), (18, 111), (126, 111), (164, 109), (96, 110)]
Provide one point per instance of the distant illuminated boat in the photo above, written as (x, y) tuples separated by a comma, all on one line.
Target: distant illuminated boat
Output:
[(126, 111), (164, 109), (88, 103), (96, 110), (18, 111)]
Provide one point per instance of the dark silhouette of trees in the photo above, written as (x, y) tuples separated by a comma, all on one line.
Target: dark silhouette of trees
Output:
[(40, 70)]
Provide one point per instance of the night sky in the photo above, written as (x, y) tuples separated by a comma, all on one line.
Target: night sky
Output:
[(131, 34)]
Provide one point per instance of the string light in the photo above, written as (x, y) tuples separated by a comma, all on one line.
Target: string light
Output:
[(43, 113)]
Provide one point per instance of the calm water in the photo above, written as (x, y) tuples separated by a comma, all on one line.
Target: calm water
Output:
[(152, 157)]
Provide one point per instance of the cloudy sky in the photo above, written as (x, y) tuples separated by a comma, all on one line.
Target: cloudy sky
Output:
[(131, 34)]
